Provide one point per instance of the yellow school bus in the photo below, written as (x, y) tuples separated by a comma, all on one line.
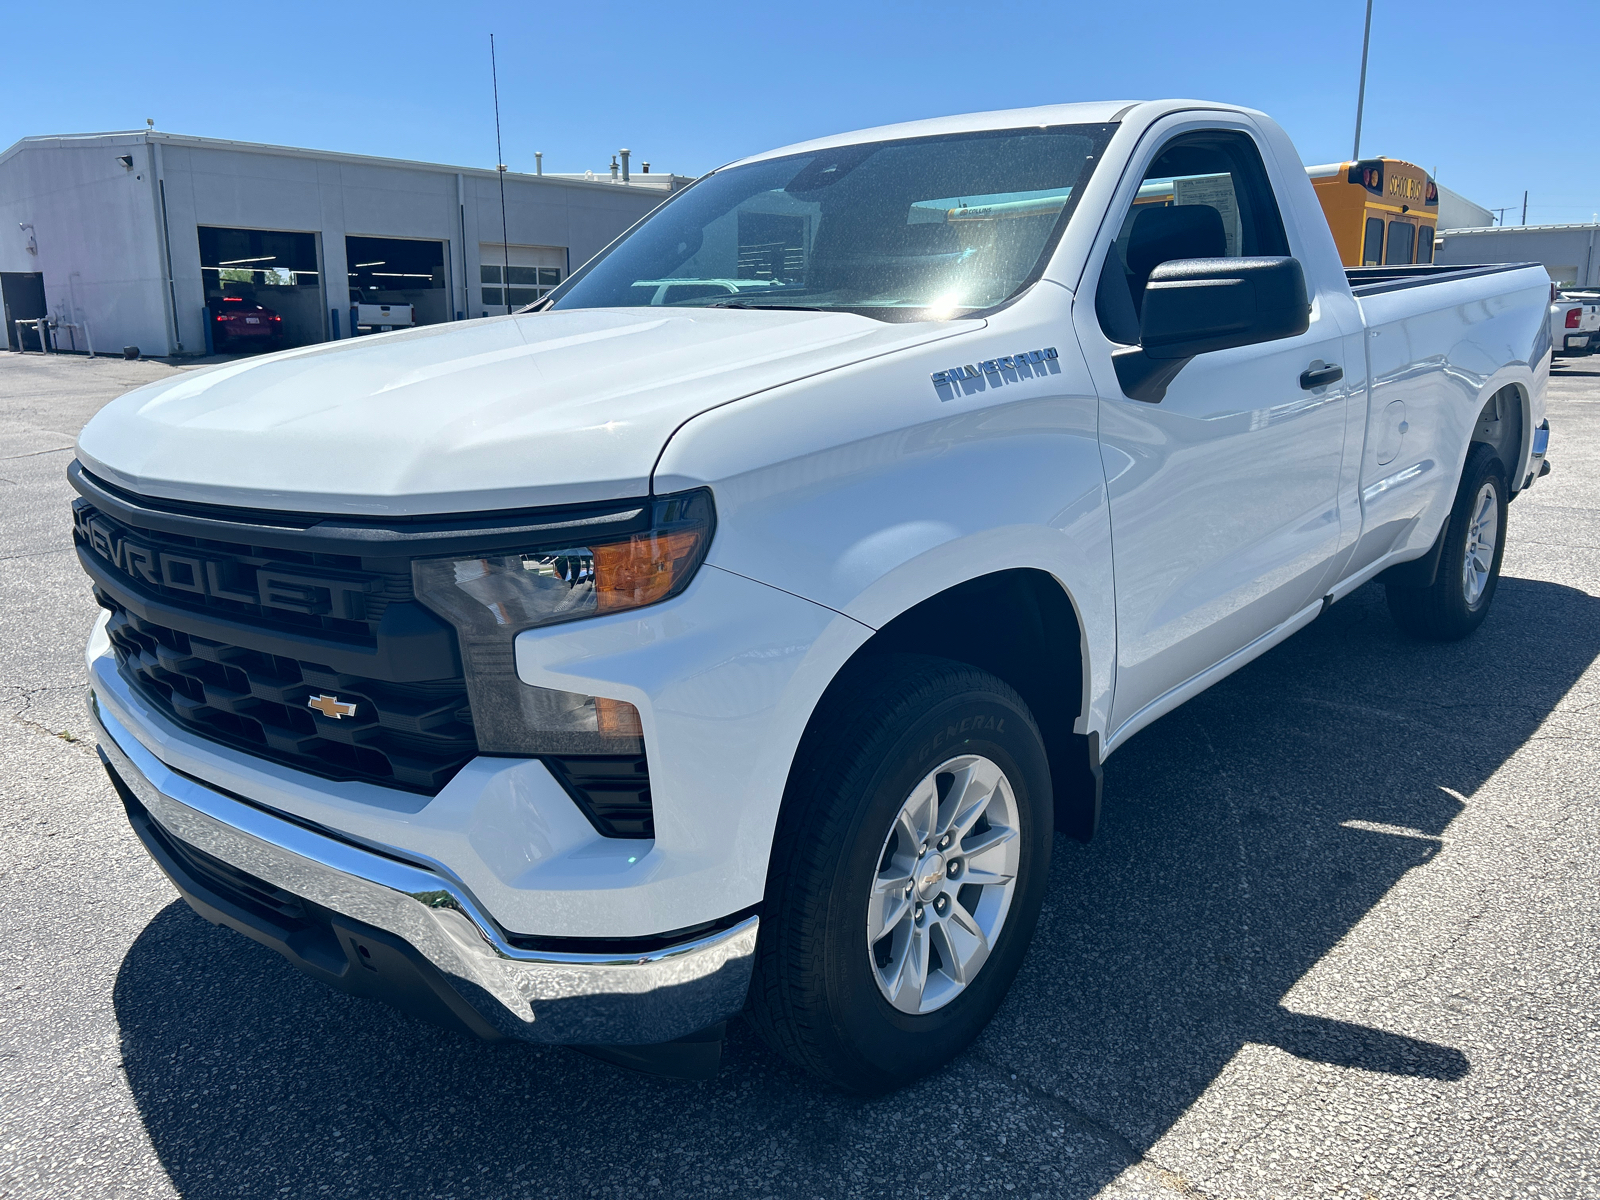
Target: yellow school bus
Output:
[(1382, 211)]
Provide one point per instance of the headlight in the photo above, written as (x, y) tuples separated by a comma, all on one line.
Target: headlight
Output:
[(493, 598)]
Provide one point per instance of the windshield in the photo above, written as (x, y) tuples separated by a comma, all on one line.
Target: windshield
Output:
[(903, 230)]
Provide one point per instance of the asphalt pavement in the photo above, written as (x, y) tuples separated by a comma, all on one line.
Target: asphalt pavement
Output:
[(1337, 937)]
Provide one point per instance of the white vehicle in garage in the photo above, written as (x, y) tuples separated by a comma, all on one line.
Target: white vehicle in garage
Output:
[(595, 674), (379, 318)]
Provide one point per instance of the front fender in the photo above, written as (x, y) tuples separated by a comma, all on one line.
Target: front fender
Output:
[(869, 490)]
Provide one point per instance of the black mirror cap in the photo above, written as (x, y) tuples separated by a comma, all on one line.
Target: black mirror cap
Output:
[(1196, 305)]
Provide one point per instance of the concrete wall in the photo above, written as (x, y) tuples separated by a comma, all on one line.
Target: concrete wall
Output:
[(100, 227), (95, 223), (1457, 212), (1571, 253), (583, 218)]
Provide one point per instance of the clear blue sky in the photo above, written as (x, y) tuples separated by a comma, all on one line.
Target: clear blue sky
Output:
[(1468, 88)]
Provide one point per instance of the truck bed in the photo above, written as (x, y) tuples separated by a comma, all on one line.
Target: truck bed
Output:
[(1371, 281)]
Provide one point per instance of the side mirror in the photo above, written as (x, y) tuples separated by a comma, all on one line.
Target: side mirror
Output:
[(1196, 305)]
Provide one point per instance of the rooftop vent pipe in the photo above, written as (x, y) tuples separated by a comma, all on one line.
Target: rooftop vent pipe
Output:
[(624, 154)]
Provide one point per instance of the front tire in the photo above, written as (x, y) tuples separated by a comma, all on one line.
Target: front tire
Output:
[(908, 870), (1469, 564)]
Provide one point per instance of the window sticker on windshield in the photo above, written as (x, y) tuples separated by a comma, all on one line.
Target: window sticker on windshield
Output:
[(772, 246)]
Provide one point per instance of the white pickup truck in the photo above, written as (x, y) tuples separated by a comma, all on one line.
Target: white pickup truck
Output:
[(1575, 321), (597, 673)]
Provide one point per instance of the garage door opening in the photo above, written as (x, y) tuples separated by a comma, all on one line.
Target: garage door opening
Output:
[(263, 288), (533, 271), (396, 282), (22, 299)]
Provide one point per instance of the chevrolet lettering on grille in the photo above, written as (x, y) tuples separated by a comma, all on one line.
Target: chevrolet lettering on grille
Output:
[(224, 579), (332, 707)]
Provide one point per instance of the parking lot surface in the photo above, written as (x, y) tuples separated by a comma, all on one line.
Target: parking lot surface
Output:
[(1337, 936)]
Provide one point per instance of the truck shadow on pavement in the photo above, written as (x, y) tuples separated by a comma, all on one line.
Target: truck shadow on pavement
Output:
[(1244, 836)]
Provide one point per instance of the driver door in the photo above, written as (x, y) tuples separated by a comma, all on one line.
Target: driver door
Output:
[(1224, 494)]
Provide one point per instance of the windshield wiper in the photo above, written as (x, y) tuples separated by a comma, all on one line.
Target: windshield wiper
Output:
[(793, 307)]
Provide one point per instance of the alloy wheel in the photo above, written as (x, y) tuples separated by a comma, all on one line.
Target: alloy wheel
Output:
[(945, 879), (1483, 532)]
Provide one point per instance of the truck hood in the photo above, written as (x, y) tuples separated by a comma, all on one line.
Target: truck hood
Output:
[(508, 412)]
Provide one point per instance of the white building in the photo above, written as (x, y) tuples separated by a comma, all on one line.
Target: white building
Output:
[(1457, 212), (128, 236), (1571, 253)]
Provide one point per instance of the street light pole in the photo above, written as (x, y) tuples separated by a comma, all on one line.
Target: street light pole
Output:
[(500, 168), (1361, 95)]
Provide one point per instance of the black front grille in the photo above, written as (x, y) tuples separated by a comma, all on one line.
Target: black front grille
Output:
[(408, 735), (233, 621), (274, 587)]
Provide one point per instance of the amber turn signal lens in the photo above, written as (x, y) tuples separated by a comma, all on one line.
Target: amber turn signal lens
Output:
[(616, 718), (644, 568)]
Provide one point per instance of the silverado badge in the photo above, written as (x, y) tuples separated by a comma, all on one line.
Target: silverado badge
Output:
[(1007, 368), (331, 706)]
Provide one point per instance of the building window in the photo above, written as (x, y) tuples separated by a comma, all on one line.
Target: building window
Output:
[(534, 270), (527, 284), (1372, 244)]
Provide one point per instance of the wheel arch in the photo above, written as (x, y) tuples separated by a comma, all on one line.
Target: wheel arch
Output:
[(1505, 423), (1021, 625)]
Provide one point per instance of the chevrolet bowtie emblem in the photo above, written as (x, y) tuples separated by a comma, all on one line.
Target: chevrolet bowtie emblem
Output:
[(331, 706)]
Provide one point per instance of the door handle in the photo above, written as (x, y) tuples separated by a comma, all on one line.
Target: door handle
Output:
[(1317, 375)]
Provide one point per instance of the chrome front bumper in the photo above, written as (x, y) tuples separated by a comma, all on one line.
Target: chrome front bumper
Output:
[(378, 925)]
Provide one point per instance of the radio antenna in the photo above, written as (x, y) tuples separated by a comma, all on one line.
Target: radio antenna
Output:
[(500, 169)]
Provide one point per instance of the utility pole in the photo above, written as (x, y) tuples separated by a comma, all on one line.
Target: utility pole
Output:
[(1361, 94), (1524, 208), (1500, 214)]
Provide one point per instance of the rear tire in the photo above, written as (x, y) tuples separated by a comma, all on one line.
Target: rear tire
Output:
[(1469, 565), (886, 863)]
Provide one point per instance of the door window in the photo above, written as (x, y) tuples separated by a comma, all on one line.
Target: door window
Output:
[(1205, 195), (1372, 243), (1425, 244), (1401, 234)]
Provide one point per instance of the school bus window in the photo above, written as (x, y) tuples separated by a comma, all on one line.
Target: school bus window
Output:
[(1425, 244), (1372, 245), (1360, 198), (1400, 236)]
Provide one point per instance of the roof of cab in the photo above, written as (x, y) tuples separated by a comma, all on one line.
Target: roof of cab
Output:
[(1094, 113)]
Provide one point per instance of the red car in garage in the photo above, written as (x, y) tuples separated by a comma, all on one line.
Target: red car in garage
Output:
[(237, 323)]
